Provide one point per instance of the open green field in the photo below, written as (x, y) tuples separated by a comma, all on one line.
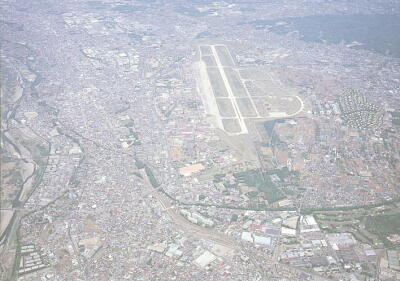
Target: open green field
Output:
[(267, 87), (395, 117), (253, 73), (216, 82), (383, 226), (231, 125), (284, 104), (263, 184), (369, 225), (246, 107), (209, 60), (262, 105), (253, 89), (235, 82), (270, 104), (225, 108)]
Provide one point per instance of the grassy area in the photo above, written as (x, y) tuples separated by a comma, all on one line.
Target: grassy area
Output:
[(218, 178), (127, 123), (14, 272), (134, 136), (383, 226), (390, 203), (139, 164), (371, 225), (149, 172), (151, 177), (282, 173), (262, 183), (138, 175), (269, 127), (395, 117)]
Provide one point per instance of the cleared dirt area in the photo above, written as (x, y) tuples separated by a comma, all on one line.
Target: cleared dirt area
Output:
[(226, 108), (232, 125), (246, 107), (216, 82)]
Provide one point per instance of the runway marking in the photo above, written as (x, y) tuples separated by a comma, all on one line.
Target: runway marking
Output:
[(211, 99), (230, 92)]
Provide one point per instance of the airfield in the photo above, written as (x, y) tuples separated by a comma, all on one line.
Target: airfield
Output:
[(235, 96)]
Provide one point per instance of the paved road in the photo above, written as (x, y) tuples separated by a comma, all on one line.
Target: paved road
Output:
[(222, 239), (195, 230)]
